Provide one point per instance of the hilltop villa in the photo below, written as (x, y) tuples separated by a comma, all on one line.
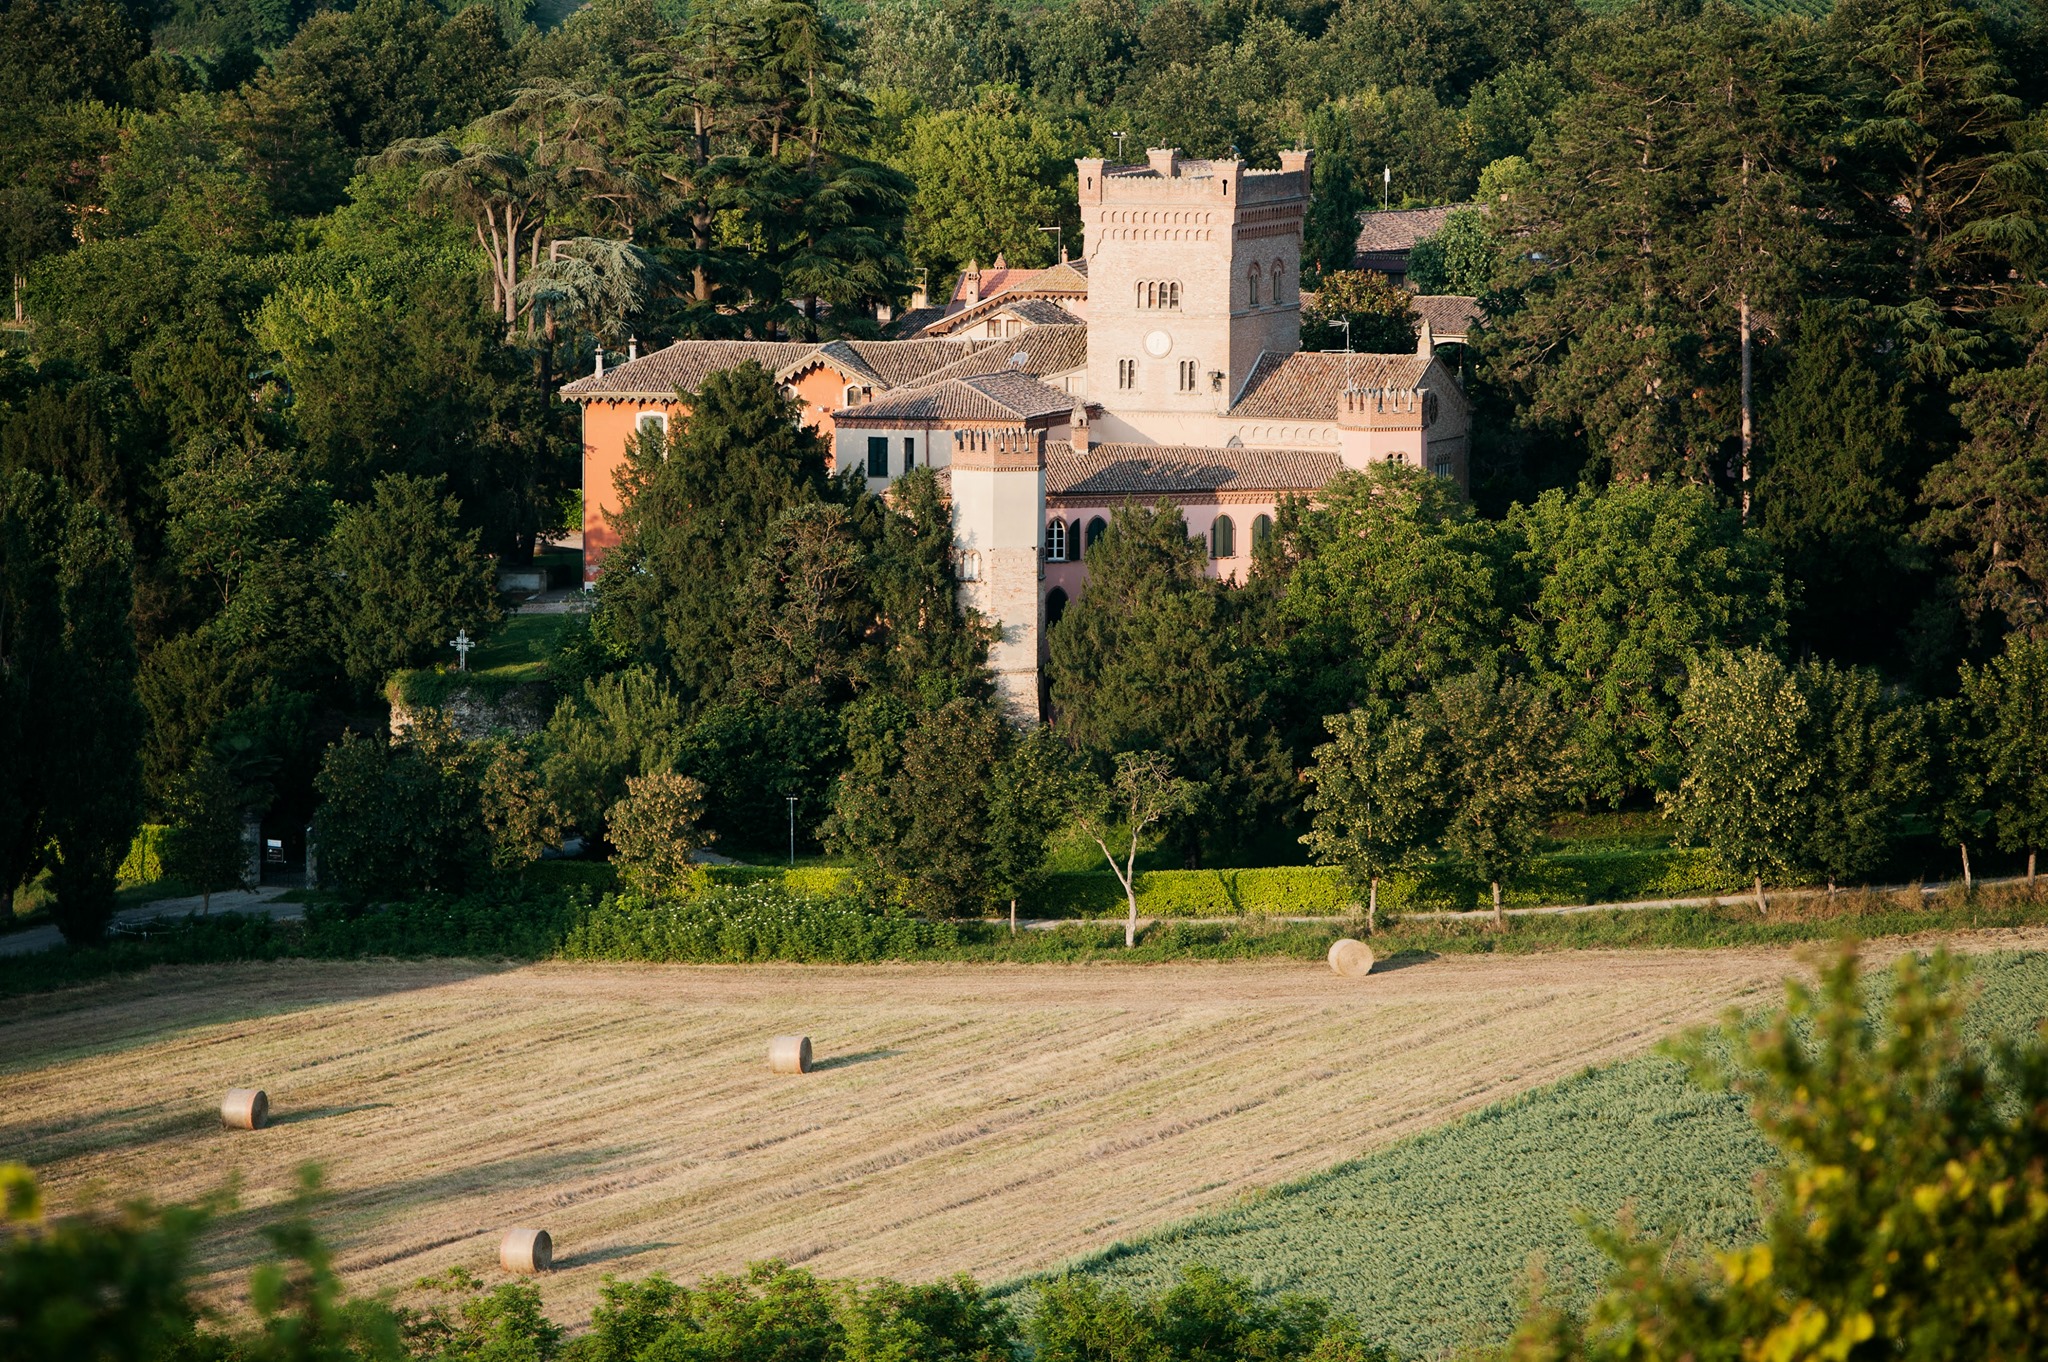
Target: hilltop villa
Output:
[(1165, 365)]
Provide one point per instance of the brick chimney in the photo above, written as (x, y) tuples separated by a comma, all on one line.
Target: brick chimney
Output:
[(970, 283), (1078, 424)]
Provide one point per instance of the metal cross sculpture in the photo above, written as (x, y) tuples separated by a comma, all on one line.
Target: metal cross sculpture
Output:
[(462, 643)]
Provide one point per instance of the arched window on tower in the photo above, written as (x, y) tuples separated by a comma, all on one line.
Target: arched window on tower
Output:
[(1055, 606), (1252, 285), (1174, 290), (1056, 541), (1095, 529), (1279, 273), (1223, 538)]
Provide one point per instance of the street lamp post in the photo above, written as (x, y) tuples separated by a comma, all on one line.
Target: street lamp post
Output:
[(792, 829)]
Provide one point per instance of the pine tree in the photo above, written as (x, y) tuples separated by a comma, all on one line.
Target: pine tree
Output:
[(1988, 506), (1948, 190), (1665, 220), (407, 577), (805, 613)]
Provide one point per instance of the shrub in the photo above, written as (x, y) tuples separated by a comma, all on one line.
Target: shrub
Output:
[(655, 828), (427, 811), (736, 924)]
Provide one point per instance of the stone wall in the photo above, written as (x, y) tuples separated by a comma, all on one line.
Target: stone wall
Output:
[(478, 713)]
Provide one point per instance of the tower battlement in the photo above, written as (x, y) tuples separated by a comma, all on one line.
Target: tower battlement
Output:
[(1382, 408), (1008, 448), (1194, 272)]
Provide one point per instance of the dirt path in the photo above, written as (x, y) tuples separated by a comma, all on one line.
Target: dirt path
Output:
[(991, 1120)]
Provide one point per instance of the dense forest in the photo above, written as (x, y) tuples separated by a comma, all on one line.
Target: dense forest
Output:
[(293, 288)]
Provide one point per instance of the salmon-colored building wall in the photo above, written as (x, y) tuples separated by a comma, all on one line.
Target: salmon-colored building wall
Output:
[(610, 424)]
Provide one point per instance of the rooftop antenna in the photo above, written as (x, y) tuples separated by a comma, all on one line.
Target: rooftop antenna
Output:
[(1386, 185)]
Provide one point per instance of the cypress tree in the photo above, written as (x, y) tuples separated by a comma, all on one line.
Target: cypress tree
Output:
[(1835, 487), (70, 723), (697, 510), (1155, 656)]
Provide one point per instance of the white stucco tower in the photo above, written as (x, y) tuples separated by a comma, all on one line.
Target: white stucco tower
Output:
[(998, 481), (1194, 271)]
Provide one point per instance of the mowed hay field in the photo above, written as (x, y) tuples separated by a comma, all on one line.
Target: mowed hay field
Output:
[(994, 1120)]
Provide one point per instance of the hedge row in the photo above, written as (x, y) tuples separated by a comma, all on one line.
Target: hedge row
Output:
[(739, 924), (1610, 876)]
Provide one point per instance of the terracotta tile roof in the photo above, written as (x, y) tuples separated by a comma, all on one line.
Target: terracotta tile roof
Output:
[(685, 365), (902, 362), (1451, 316), (1006, 396), (1069, 276), (1305, 386), (1041, 312), (915, 320), (842, 356), (1119, 470), (1034, 310), (1400, 228), (1046, 350), (996, 279)]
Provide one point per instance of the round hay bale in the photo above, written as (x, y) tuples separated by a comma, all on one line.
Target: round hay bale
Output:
[(1352, 959), (526, 1251), (789, 1055), (245, 1109)]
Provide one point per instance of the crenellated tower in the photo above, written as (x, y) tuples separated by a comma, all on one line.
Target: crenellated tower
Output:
[(1194, 271), (998, 478)]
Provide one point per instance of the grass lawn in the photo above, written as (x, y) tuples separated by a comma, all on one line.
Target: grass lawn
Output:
[(513, 654)]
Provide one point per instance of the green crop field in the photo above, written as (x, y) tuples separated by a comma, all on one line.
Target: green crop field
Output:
[(1428, 1241)]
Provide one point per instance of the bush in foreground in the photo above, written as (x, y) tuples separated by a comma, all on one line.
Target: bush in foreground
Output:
[(1908, 1219)]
